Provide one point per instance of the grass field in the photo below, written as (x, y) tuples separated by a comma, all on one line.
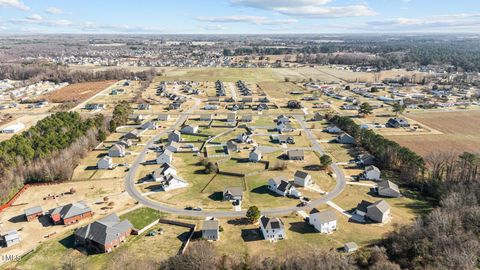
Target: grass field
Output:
[(141, 217), (460, 133)]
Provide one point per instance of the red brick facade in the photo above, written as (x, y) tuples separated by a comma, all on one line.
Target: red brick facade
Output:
[(58, 220)]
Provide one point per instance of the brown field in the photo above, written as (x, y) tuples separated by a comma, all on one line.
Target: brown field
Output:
[(460, 133), (77, 92)]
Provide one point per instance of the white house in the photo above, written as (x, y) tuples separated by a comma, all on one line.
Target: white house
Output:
[(117, 150), (388, 189), (165, 157), (333, 129), (167, 169), (324, 221), (173, 147), (282, 187), (173, 182), (282, 119), (174, 136), (272, 229), (371, 173), (345, 138), (211, 229), (255, 155), (189, 129), (151, 125), (378, 211), (105, 163), (303, 179), (11, 238)]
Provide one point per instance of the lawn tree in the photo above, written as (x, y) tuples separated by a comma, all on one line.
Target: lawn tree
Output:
[(365, 109), (253, 214), (325, 161), (398, 108)]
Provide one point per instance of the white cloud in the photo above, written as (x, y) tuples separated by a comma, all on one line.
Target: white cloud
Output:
[(13, 4), (308, 8), (54, 11), (94, 27), (34, 18), (259, 20), (213, 27), (451, 21)]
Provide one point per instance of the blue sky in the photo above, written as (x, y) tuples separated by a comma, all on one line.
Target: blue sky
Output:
[(238, 16)]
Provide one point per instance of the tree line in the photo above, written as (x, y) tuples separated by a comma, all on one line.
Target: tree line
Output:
[(49, 151), (56, 73), (120, 115)]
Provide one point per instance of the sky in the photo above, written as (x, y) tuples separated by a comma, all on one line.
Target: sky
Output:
[(239, 16)]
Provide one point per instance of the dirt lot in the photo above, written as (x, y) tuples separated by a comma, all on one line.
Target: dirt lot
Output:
[(77, 92), (34, 232), (460, 130)]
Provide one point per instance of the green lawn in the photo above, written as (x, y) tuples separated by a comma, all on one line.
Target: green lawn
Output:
[(141, 217)]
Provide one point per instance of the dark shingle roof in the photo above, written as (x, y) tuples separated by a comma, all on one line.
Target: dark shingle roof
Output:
[(301, 174), (105, 230)]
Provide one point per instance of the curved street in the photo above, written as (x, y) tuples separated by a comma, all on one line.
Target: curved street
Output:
[(137, 195)]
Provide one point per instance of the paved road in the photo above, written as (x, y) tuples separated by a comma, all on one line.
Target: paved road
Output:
[(133, 192)]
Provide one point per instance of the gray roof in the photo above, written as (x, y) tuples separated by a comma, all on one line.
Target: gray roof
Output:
[(388, 184), (325, 216), (71, 210), (296, 153), (362, 206), (234, 191), (301, 174), (381, 205), (33, 210), (210, 224), (271, 223), (351, 245), (105, 230), (11, 235)]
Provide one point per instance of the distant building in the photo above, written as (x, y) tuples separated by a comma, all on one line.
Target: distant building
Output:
[(371, 173), (255, 155), (173, 147), (378, 211), (232, 146), (233, 194), (296, 154), (132, 135), (117, 150), (350, 247), (366, 159), (345, 138), (13, 128), (189, 129), (283, 187), (231, 117), (150, 125), (388, 189), (397, 123), (332, 129), (172, 182), (174, 136), (205, 117), (165, 157)]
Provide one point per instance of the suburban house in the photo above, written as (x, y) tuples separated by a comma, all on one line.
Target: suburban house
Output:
[(105, 163), (247, 118), (33, 213), (143, 106), (350, 247), (151, 125), (231, 117), (296, 154), (174, 136), (378, 211), (165, 157), (345, 138), (11, 238), (255, 155), (103, 235), (302, 178), (283, 139), (284, 127), (132, 135), (167, 169), (233, 194), (205, 117), (272, 229), (282, 119), (323, 221), (371, 173), (244, 138), (283, 187), (70, 213), (333, 129), (397, 123), (317, 117), (117, 150), (172, 181), (232, 146), (173, 146), (126, 143), (163, 117), (189, 129), (366, 159), (211, 229), (361, 208), (388, 189)]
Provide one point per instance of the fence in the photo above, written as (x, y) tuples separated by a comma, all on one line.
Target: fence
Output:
[(192, 228), (14, 198)]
